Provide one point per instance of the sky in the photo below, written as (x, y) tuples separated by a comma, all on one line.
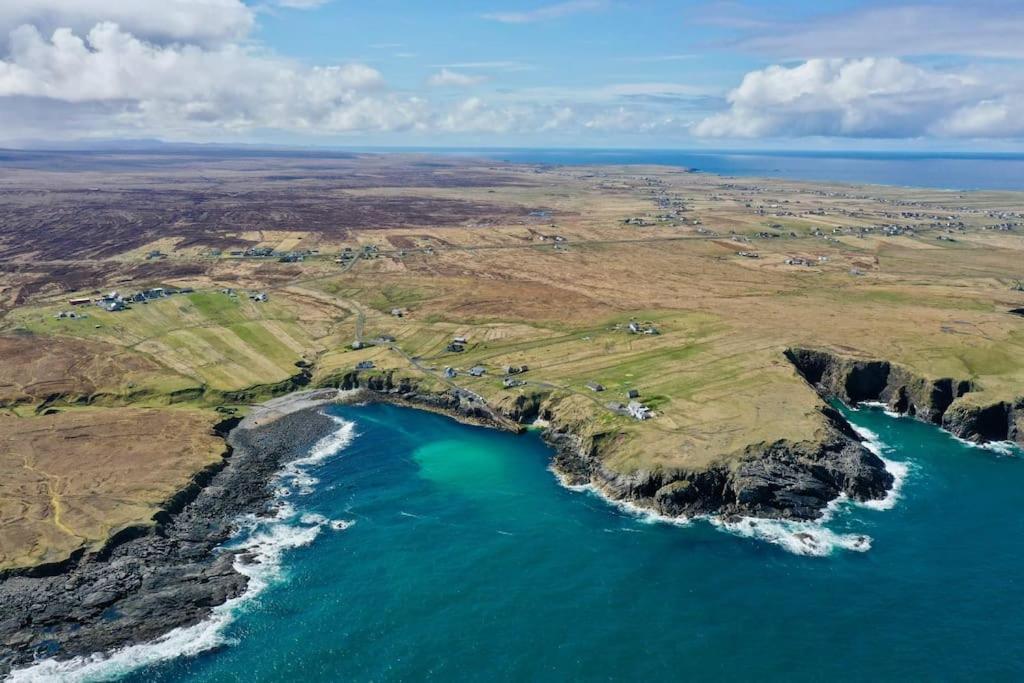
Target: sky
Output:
[(786, 74)]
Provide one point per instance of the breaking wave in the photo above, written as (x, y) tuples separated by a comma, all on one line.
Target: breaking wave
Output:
[(263, 541), (810, 538), (898, 470), (800, 538)]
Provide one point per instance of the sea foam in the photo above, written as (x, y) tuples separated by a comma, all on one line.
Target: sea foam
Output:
[(263, 542), (810, 538), (898, 470)]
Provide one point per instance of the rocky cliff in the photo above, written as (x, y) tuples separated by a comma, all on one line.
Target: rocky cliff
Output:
[(943, 401), (784, 479)]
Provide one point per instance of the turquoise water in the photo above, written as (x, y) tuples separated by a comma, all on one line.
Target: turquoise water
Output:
[(467, 561)]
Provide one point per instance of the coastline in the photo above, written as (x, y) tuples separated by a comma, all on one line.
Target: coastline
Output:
[(176, 574), (171, 575)]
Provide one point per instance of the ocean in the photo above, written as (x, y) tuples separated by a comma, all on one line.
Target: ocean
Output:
[(411, 547), (943, 170)]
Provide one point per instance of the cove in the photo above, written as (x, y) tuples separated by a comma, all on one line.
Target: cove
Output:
[(465, 560)]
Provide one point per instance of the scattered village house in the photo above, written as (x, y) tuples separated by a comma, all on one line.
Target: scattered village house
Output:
[(639, 411), (457, 345)]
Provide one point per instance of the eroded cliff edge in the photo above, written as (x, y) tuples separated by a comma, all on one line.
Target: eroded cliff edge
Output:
[(950, 403)]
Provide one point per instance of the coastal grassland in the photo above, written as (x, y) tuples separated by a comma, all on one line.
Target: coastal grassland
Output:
[(72, 479), (472, 251), (226, 343)]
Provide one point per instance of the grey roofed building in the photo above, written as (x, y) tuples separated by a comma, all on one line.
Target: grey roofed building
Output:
[(594, 386), (477, 371)]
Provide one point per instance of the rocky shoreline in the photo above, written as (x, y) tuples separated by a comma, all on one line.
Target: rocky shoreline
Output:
[(781, 480), (148, 581)]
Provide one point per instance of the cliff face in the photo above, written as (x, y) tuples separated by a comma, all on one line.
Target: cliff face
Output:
[(783, 479), (937, 401), (779, 480)]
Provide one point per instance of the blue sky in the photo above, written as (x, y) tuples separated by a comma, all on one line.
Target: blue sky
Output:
[(925, 74)]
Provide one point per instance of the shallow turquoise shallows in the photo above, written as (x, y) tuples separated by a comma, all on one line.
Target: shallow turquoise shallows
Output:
[(468, 562)]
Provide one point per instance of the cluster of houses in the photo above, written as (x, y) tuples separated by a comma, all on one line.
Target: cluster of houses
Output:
[(510, 372), (475, 371), (71, 315), (508, 381), (115, 301), (801, 261), (635, 408), (258, 297), (270, 252), (348, 254)]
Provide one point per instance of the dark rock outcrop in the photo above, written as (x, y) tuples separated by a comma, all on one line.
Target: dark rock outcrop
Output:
[(779, 480), (936, 401), (147, 581)]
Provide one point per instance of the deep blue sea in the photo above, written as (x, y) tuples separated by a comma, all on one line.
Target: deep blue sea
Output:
[(414, 548), (955, 171)]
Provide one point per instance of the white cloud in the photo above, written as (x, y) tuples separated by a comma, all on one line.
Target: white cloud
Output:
[(548, 12), (202, 22), (986, 28), (988, 118), (109, 82), (882, 98), (446, 78), (172, 86)]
